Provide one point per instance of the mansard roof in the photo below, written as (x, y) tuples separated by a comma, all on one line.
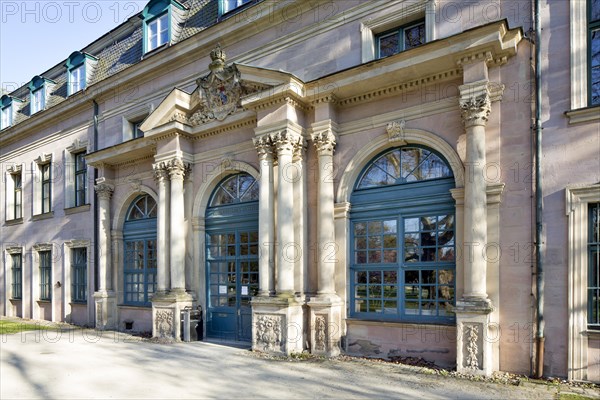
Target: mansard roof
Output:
[(116, 51)]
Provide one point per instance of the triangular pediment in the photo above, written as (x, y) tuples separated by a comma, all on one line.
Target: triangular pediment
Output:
[(218, 95)]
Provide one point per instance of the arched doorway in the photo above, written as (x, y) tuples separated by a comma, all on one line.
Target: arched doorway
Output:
[(140, 252), (402, 238), (232, 257)]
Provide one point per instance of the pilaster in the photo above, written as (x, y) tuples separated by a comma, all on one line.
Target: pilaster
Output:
[(277, 324)]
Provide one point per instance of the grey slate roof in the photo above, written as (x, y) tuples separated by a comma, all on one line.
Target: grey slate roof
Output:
[(117, 55)]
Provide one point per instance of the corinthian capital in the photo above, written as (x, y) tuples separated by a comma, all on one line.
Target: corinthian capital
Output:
[(176, 168), (475, 109), (264, 147), (160, 172), (104, 191), (324, 142), (285, 141)]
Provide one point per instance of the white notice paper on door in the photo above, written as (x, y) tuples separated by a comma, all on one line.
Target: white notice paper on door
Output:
[(222, 289), (244, 290)]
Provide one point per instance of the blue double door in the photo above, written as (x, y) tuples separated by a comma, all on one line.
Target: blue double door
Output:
[(232, 277)]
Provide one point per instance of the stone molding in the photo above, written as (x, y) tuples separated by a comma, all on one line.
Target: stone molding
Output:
[(395, 131), (324, 142), (264, 147)]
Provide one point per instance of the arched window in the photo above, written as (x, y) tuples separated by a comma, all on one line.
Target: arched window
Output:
[(139, 235), (402, 238), (232, 257)]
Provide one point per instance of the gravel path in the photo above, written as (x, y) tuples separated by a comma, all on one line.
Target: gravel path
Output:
[(81, 364)]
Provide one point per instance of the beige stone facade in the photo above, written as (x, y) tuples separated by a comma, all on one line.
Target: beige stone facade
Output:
[(296, 99)]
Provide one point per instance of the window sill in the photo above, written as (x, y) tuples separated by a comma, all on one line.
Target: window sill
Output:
[(16, 221), (583, 114), (78, 209), (592, 334), (40, 302), (133, 307), (237, 10), (15, 300), (40, 217), (156, 50), (78, 303)]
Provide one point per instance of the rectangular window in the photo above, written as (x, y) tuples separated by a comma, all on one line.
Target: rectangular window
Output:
[(401, 39), (45, 275), (158, 32), (79, 275), (46, 188), (229, 5), (594, 51), (18, 196), (77, 79), (38, 102), (7, 119), (140, 271), (80, 179), (594, 266), (17, 271), (404, 268)]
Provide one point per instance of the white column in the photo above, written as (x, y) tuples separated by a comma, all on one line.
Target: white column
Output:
[(475, 107), (266, 227), (177, 242), (188, 193), (324, 142), (300, 232), (104, 191), (284, 142), (162, 177)]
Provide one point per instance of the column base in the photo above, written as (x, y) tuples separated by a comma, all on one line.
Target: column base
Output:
[(277, 325), (166, 314), (106, 309), (325, 325), (474, 353)]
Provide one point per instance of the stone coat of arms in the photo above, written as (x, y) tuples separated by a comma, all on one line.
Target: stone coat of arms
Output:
[(221, 88)]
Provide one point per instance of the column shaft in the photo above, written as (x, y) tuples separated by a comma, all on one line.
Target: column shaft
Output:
[(265, 214), (325, 143), (285, 214), (177, 242), (162, 227), (104, 246)]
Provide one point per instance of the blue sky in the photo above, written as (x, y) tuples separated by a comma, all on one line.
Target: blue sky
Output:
[(35, 35)]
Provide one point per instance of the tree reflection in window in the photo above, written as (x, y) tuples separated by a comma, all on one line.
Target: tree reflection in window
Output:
[(239, 188), (144, 207), (405, 165)]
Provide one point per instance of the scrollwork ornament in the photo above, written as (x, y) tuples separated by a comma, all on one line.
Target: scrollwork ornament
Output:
[(324, 142)]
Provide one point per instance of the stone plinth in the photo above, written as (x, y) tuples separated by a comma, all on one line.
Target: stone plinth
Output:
[(277, 325), (106, 309), (166, 314), (325, 325), (474, 337)]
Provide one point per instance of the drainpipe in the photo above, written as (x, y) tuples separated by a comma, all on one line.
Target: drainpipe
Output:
[(539, 337), (96, 251)]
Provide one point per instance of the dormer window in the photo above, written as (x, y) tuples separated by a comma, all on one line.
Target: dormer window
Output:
[(226, 6), (160, 23), (7, 110), (158, 32), (39, 88), (79, 67)]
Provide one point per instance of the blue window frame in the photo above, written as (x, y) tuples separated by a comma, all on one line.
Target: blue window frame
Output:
[(232, 257), (79, 275), (402, 239), (77, 71), (7, 110), (594, 51), (400, 39), (38, 100), (17, 274), (45, 275), (80, 179), (594, 266), (140, 268), (38, 88)]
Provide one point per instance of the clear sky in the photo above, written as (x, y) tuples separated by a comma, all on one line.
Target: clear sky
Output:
[(35, 35)]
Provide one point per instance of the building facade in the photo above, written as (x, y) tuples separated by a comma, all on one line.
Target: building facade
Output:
[(347, 176)]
